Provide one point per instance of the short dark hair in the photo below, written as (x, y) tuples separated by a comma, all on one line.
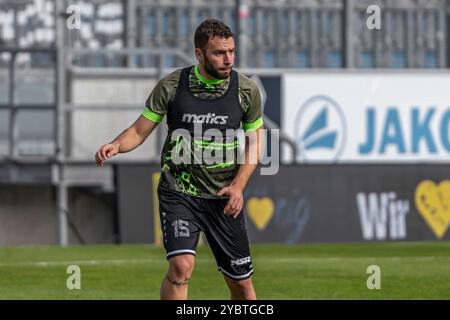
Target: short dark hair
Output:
[(210, 28)]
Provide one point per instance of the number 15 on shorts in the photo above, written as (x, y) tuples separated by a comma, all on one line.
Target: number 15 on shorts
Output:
[(180, 228)]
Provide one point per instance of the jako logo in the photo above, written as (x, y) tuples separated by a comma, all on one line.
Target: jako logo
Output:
[(240, 262), (204, 118), (320, 130)]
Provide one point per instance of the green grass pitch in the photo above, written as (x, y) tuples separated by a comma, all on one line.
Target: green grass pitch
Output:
[(305, 271)]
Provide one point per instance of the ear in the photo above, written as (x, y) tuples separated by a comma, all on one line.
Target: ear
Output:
[(199, 54)]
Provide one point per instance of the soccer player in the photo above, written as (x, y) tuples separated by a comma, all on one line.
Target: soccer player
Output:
[(200, 196)]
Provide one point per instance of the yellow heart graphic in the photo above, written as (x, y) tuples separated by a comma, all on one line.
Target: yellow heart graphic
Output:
[(260, 211), (433, 203)]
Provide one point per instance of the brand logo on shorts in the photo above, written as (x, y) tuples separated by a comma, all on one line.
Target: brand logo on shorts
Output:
[(240, 262), (204, 118)]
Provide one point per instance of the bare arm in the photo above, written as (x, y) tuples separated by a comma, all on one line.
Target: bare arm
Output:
[(128, 140), (252, 156)]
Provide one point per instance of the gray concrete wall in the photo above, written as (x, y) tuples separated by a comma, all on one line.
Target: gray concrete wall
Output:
[(91, 128), (28, 216)]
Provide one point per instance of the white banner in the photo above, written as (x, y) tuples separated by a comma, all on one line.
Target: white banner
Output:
[(368, 117)]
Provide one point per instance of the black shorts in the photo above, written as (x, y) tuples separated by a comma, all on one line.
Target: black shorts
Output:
[(183, 217)]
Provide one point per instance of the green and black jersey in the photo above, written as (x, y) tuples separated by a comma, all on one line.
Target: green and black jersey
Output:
[(191, 102)]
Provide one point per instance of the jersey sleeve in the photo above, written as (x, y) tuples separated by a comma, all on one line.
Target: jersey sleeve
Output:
[(157, 103), (252, 104)]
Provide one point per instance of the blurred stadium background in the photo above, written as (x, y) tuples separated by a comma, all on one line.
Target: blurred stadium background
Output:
[(328, 82)]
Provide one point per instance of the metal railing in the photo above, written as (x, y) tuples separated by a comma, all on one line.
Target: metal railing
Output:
[(275, 33), (14, 108)]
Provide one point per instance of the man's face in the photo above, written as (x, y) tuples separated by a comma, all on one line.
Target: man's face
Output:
[(218, 57)]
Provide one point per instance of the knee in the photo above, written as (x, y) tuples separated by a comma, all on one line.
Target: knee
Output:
[(181, 269), (243, 289)]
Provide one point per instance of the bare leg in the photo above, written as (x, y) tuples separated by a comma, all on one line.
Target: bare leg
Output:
[(175, 283), (241, 289)]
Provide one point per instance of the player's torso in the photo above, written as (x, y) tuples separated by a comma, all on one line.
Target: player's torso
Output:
[(202, 131)]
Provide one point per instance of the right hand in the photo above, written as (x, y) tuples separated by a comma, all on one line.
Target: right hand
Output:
[(105, 152)]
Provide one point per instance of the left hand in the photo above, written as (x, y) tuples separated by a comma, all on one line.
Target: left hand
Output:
[(236, 201)]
